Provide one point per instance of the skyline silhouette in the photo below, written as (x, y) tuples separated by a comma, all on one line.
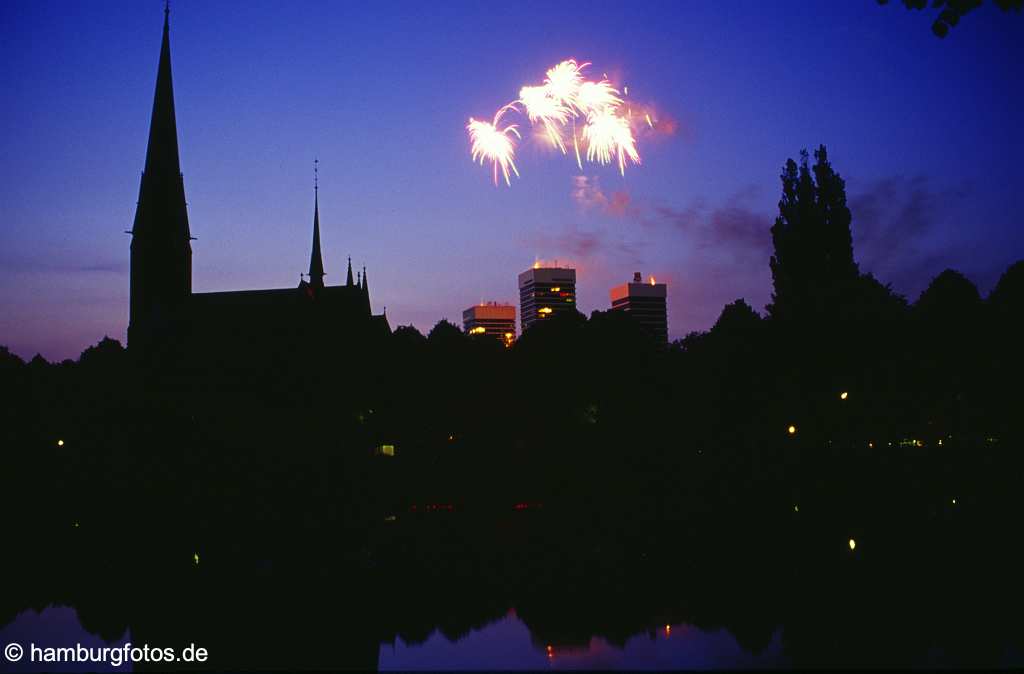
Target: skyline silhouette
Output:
[(820, 467), (695, 214)]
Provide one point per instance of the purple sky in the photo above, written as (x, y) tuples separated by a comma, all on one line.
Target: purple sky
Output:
[(924, 130)]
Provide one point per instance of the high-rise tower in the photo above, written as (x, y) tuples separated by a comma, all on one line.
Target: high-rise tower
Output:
[(546, 292), (645, 302)]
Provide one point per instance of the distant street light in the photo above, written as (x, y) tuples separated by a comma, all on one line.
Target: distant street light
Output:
[(791, 430), (853, 544), (844, 395)]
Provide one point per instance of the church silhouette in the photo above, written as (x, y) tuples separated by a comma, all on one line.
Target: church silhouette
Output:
[(166, 316)]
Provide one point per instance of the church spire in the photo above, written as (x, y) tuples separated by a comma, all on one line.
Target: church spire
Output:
[(348, 280), (316, 262), (161, 255), (162, 151), (366, 288)]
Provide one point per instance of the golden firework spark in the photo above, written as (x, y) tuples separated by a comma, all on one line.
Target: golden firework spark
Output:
[(563, 82), (608, 134), (549, 111), (555, 104), (595, 96), (493, 143)]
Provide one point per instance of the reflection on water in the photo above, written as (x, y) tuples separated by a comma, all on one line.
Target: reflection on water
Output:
[(503, 644), (507, 644), (56, 627)]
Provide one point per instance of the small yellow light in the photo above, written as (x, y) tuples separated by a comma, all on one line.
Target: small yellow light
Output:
[(60, 443), (195, 558), (954, 501), (536, 265), (791, 430), (652, 280), (545, 310), (796, 508), (871, 445), (853, 544), (556, 289), (844, 395)]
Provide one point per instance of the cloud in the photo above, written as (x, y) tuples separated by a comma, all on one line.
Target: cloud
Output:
[(588, 195), (110, 267), (737, 228), (904, 230), (60, 265), (585, 248)]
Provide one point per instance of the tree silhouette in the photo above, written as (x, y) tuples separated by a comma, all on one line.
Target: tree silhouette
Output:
[(949, 299), (1007, 298), (813, 260), (445, 332), (951, 11)]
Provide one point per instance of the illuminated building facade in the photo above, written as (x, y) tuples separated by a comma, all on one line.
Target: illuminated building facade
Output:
[(645, 302), (492, 320), (545, 292)]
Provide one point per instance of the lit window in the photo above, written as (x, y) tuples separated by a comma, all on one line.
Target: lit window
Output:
[(544, 310)]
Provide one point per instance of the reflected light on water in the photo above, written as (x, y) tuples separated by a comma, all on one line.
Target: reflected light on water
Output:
[(508, 644)]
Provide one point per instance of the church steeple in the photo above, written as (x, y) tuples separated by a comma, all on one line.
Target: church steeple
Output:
[(161, 255), (365, 287), (316, 263), (348, 281), (162, 152)]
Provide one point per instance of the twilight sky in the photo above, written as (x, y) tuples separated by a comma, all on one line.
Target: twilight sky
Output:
[(925, 131)]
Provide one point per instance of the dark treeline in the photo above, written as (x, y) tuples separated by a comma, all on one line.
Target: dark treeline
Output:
[(587, 476)]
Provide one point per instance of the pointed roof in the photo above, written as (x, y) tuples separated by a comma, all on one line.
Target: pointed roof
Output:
[(366, 288), (162, 152), (162, 209), (348, 280), (316, 263)]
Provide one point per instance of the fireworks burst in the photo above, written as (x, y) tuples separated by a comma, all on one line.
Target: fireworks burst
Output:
[(495, 144), (608, 134), (563, 82), (555, 105), (596, 96), (540, 107)]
